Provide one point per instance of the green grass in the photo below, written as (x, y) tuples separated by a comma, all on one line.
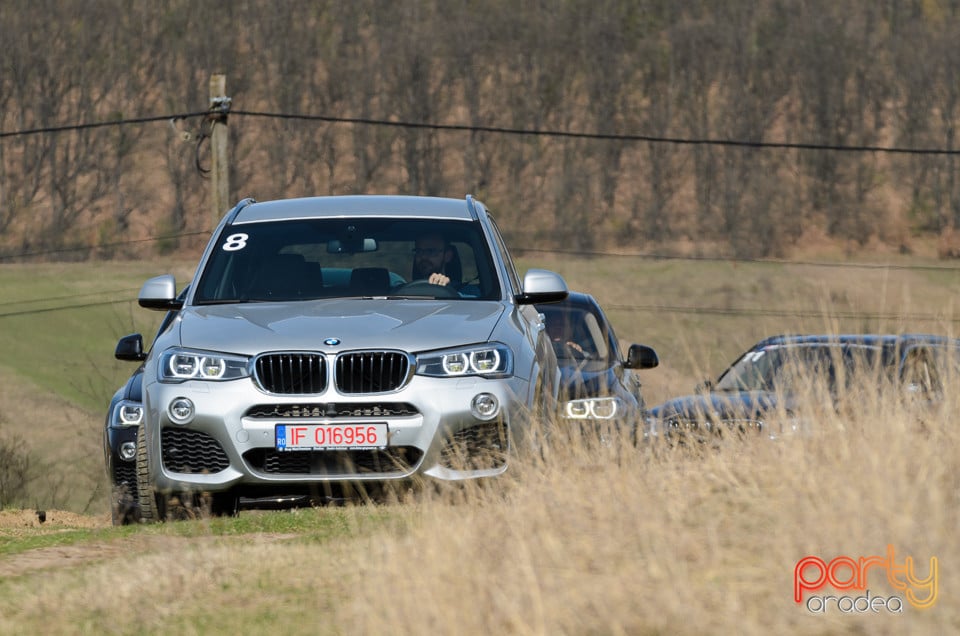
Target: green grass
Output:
[(59, 324), (21, 542), (308, 525)]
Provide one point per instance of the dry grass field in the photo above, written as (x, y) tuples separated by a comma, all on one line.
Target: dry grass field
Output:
[(593, 540), (604, 540)]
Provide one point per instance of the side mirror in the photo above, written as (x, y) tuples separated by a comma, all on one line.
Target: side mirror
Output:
[(641, 357), (160, 293), (542, 286), (130, 348)]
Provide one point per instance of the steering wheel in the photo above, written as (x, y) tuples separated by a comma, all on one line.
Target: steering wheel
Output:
[(423, 287), (576, 352)]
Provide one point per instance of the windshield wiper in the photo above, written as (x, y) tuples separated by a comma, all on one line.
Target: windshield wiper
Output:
[(229, 301)]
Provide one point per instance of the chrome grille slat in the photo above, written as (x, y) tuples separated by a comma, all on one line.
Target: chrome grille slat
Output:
[(292, 373), (356, 372), (360, 372)]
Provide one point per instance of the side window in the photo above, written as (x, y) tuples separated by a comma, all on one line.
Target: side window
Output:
[(505, 257)]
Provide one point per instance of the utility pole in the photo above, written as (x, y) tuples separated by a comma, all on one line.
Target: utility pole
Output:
[(219, 170)]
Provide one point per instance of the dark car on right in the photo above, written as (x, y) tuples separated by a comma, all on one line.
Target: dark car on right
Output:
[(772, 387)]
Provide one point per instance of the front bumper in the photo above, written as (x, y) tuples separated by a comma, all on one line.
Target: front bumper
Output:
[(229, 444)]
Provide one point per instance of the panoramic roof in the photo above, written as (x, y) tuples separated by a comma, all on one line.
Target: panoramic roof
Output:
[(862, 339), (355, 206)]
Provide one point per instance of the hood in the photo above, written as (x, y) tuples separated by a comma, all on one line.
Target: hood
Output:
[(580, 383), (408, 325), (752, 405)]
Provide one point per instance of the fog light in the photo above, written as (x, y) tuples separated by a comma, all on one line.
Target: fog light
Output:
[(181, 410), (127, 451), (485, 406)]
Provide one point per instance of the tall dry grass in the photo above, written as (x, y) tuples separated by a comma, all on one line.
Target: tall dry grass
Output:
[(611, 540), (595, 539)]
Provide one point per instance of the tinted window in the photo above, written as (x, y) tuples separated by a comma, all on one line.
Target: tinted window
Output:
[(790, 368), (326, 258), (576, 333)]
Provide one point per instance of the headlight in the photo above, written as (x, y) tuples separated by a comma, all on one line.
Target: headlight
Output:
[(127, 413), (491, 360), (604, 408), (178, 365)]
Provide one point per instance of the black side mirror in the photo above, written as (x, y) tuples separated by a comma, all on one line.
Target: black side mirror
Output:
[(130, 348), (641, 357)]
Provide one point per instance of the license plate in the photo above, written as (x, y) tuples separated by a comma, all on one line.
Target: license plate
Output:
[(330, 436)]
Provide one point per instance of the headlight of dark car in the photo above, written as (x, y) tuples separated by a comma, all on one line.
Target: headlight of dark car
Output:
[(126, 413), (598, 408), (491, 360), (179, 365)]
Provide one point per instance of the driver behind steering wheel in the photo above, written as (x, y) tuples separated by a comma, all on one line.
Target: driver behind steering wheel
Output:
[(434, 260), (565, 345)]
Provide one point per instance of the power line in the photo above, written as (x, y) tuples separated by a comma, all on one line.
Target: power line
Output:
[(16, 303), (597, 136), (102, 124), (502, 130), (778, 313), (88, 248), (736, 260), (46, 310)]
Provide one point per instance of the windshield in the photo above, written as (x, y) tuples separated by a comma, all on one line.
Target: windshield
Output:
[(790, 368), (330, 258), (576, 333)]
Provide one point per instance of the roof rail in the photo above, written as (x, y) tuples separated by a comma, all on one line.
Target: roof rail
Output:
[(472, 206), (232, 214)]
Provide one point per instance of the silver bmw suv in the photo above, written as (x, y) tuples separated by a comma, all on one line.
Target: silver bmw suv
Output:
[(334, 345)]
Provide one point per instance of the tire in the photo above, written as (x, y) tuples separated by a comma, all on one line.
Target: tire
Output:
[(152, 505), (156, 507)]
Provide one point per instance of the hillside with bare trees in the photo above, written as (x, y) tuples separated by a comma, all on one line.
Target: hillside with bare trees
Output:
[(738, 128)]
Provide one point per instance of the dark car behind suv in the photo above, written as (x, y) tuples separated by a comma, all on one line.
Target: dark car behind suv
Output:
[(124, 415), (598, 384)]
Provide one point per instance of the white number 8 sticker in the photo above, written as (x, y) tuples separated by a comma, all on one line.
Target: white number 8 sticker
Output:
[(235, 242)]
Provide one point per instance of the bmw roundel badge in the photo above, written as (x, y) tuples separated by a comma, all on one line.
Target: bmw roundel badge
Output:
[(331, 342)]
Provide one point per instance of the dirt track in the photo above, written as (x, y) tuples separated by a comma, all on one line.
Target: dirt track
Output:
[(10, 520), (18, 523)]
